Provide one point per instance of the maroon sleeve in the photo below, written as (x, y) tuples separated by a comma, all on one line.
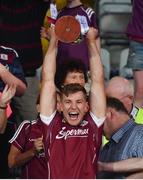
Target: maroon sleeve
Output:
[(19, 138), (94, 22)]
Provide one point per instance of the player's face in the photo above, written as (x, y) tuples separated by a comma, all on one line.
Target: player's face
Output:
[(75, 77), (74, 108)]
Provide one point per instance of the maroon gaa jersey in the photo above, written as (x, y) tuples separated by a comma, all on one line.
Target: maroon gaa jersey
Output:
[(23, 139), (72, 149)]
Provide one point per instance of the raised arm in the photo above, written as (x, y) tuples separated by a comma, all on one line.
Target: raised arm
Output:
[(5, 98), (97, 92), (48, 88), (97, 40), (8, 78)]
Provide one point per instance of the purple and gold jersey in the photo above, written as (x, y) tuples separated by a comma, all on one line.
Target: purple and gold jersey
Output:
[(23, 139), (72, 150), (77, 50)]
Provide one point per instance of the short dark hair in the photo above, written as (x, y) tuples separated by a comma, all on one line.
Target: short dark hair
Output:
[(66, 66), (72, 88), (116, 104)]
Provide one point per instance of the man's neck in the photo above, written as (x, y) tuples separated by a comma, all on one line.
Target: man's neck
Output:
[(72, 4)]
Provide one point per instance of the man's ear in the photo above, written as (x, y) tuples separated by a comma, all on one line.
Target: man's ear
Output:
[(111, 113), (60, 107), (87, 107), (130, 98)]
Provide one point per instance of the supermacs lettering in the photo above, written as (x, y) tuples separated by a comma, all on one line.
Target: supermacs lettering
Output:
[(72, 133)]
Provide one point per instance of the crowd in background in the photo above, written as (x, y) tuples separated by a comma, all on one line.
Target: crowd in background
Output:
[(51, 124)]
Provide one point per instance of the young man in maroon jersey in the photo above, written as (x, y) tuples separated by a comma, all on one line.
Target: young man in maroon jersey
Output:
[(23, 149), (70, 142), (28, 156)]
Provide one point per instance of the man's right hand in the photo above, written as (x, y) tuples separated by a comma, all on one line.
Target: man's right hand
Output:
[(38, 144)]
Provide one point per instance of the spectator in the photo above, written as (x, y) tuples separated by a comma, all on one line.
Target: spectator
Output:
[(122, 89), (135, 58), (71, 71), (124, 135), (5, 98), (20, 24), (87, 18), (11, 73)]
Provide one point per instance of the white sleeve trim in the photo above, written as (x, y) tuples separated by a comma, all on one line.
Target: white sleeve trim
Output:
[(98, 121), (47, 119)]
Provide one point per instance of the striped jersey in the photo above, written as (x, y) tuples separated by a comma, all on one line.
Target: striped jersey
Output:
[(72, 150), (23, 140)]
